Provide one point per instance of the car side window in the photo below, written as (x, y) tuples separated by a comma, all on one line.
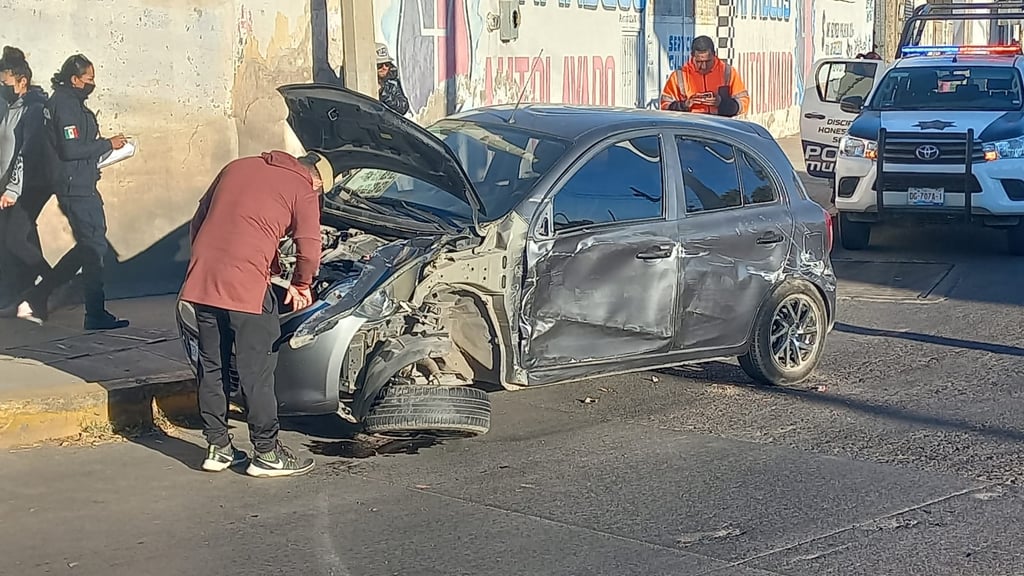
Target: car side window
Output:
[(717, 176), (623, 182), (757, 184), (710, 178)]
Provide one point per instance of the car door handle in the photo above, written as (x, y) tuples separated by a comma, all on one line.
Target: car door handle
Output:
[(770, 238), (655, 252), (814, 116)]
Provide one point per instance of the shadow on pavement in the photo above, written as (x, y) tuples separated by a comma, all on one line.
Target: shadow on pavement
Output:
[(731, 375), (929, 339)]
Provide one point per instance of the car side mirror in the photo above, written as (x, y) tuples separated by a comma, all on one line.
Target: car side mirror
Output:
[(852, 104)]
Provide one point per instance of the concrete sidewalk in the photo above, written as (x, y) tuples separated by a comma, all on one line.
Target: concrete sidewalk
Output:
[(58, 381)]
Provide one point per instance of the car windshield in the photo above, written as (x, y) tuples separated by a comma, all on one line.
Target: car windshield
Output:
[(503, 163), (975, 88)]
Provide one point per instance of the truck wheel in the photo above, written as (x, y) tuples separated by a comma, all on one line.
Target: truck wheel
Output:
[(854, 235), (788, 337), (1015, 239), (410, 409)]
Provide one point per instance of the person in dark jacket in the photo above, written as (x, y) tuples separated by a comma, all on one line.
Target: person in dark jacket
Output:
[(25, 179), (390, 92), (235, 234), (74, 137)]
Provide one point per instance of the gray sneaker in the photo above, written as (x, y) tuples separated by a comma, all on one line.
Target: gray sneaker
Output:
[(279, 462), (221, 458)]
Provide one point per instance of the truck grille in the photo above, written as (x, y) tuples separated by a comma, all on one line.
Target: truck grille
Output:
[(902, 147)]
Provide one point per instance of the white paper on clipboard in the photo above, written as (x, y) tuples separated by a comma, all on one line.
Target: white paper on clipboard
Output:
[(115, 156)]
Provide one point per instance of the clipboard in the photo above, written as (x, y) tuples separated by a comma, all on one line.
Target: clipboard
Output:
[(115, 156)]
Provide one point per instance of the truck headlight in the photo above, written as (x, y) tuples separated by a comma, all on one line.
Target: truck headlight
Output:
[(850, 147), (1012, 148)]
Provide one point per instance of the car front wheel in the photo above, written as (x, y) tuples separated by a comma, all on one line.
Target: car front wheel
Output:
[(788, 337)]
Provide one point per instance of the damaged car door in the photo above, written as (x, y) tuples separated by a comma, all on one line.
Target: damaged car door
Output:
[(602, 262), (736, 233)]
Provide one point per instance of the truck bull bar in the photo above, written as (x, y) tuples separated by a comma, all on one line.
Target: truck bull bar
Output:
[(968, 175)]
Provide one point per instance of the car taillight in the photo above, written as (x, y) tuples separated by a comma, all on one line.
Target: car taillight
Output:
[(829, 231)]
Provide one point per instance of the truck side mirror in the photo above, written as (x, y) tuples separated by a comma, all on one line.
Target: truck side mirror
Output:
[(852, 104)]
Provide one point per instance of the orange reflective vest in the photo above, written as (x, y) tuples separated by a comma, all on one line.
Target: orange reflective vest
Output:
[(687, 82)]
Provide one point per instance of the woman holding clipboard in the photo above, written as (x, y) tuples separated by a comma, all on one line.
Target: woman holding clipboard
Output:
[(78, 148)]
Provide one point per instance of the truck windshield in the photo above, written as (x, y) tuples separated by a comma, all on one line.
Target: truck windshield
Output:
[(974, 88)]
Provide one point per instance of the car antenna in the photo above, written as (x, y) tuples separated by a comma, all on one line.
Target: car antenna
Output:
[(522, 93)]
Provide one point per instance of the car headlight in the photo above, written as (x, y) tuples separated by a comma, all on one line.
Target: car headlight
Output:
[(378, 305), (850, 147), (1012, 148)]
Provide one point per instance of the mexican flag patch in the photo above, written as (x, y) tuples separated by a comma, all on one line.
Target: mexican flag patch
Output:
[(71, 132)]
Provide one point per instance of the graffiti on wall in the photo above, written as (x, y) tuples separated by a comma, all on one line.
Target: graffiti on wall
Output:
[(446, 51)]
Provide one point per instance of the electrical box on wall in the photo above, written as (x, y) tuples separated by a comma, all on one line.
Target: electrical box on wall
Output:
[(508, 20)]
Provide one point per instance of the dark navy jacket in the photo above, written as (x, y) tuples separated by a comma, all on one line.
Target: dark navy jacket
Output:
[(74, 136)]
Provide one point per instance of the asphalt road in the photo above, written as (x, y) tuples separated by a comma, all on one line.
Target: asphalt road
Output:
[(903, 455)]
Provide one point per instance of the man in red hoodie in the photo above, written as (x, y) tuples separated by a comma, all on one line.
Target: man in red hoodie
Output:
[(235, 234)]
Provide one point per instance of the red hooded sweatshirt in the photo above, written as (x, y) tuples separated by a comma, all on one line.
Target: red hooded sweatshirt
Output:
[(235, 233)]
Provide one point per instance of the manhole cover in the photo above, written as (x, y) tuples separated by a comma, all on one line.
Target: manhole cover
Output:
[(893, 281)]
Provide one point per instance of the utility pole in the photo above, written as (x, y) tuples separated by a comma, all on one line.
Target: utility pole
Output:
[(357, 45), (889, 18)]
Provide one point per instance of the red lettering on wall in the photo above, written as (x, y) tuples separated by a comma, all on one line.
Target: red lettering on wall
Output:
[(585, 79), (769, 79)]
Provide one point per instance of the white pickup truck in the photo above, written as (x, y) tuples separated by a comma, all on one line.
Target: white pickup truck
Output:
[(938, 136)]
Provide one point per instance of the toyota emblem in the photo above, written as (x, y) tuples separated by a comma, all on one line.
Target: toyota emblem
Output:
[(927, 152)]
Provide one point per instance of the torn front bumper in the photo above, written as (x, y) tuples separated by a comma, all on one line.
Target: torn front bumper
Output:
[(307, 379)]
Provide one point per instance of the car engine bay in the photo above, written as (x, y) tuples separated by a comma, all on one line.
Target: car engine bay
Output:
[(340, 258)]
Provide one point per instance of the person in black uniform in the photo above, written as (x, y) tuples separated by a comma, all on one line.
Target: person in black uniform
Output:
[(25, 179), (74, 136)]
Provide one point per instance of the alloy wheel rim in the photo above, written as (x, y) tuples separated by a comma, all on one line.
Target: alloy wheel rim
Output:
[(794, 333)]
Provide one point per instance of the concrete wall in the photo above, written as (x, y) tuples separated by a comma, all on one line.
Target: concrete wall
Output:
[(193, 83)]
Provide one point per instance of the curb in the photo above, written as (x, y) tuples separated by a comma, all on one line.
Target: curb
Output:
[(123, 407)]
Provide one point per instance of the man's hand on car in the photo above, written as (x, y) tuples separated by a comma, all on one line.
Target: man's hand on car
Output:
[(299, 297), (6, 202)]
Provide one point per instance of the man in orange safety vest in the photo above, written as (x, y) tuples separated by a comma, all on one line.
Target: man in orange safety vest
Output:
[(705, 84)]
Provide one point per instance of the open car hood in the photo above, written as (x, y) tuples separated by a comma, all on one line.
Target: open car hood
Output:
[(355, 131)]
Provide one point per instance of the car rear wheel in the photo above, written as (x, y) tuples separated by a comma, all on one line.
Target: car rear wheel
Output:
[(788, 337), (854, 235)]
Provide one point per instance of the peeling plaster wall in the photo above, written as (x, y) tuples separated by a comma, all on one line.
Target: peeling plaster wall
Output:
[(193, 83), (450, 60)]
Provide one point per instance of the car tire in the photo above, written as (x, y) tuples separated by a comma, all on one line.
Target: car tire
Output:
[(762, 362), (1015, 240), (411, 409), (854, 235)]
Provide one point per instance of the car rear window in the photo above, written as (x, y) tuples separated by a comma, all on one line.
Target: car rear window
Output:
[(980, 88)]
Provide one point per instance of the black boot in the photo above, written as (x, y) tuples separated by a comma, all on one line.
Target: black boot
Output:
[(104, 321)]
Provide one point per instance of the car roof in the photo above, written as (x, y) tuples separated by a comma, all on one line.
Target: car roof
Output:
[(574, 122), (966, 60)]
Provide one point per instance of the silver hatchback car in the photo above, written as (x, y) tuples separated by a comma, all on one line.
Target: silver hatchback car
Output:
[(509, 247)]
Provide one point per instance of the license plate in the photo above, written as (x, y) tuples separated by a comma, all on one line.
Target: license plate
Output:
[(191, 349), (926, 196)]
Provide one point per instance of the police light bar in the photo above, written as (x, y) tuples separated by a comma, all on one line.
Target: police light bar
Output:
[(992, 50)]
